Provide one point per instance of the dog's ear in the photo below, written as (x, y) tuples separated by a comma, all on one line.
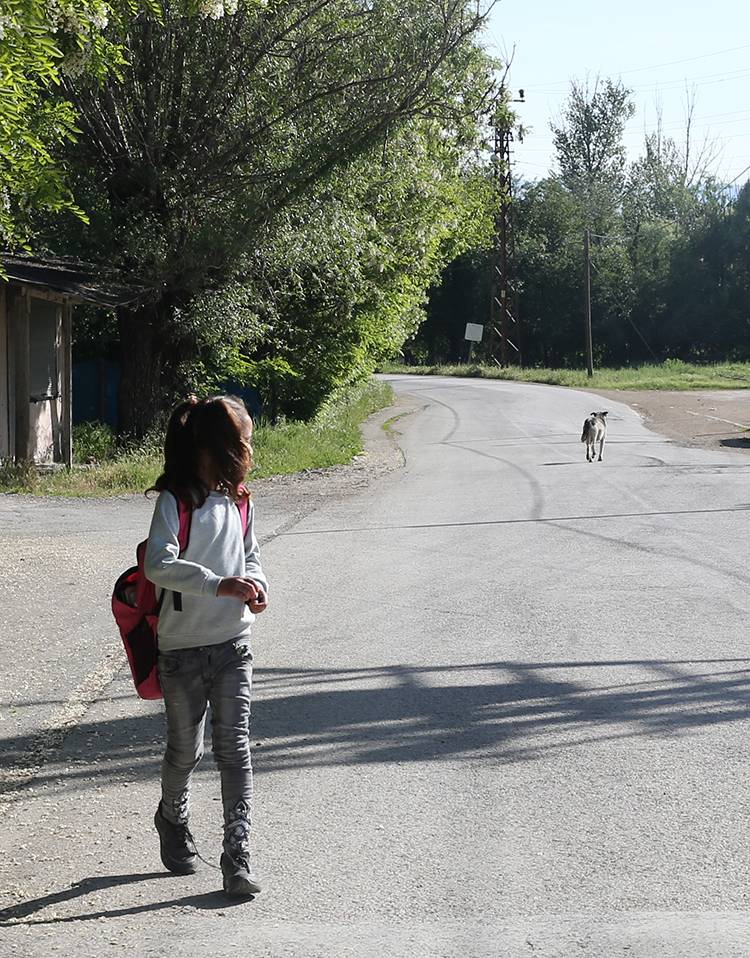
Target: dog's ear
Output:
[(604, 413)]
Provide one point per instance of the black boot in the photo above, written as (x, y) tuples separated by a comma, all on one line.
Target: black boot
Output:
[(177, 846), (239, 877)]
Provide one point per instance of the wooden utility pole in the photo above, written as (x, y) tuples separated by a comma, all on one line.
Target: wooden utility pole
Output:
[(587, 300)]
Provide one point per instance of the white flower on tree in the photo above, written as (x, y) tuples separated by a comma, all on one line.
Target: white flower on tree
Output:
[(213, 9)]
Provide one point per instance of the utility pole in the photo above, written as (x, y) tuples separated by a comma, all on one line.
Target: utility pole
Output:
[(504, 321), (587, 300)]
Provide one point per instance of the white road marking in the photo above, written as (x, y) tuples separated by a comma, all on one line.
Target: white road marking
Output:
[(731, 422)]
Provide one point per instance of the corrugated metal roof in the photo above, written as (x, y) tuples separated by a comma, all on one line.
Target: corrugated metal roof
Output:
[(92, 284)]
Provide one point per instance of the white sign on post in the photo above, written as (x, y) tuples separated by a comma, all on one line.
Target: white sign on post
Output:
[(474, 332)]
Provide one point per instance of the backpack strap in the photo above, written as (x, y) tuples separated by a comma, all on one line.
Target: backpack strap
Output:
[(185, 513), (243, 505)]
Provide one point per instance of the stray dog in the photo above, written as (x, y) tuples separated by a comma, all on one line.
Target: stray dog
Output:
[(594, 430)]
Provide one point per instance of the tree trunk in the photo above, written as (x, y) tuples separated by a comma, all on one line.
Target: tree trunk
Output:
[(142, 394)]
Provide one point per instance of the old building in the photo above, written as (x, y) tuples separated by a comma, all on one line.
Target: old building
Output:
[(37, 300)]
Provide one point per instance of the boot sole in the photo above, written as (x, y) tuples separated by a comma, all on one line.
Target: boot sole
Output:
[(240, 887), (179, 868), (185, 867)]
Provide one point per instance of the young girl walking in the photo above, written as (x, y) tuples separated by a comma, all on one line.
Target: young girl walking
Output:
[(211, 593)]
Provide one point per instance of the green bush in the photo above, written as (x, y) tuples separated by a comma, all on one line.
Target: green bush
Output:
[(93, 442), (273, 378)]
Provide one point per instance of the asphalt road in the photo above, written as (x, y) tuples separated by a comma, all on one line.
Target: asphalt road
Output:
[(501, 710)]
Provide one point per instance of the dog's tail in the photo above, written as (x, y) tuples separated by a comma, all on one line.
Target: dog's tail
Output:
[(585, 431)]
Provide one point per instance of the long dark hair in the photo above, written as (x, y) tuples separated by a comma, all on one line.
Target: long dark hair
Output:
[(204, 432)]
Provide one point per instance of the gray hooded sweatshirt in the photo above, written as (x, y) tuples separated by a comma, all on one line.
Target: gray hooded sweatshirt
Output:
[(216, 549)]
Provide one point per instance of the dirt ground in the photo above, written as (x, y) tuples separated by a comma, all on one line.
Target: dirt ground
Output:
[(708, 418)]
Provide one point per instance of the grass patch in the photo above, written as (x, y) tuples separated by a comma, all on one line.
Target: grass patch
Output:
[(389, 426), (333, 438), (672, 374)]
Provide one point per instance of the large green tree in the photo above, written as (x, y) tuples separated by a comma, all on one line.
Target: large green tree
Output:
[(41, 43), (218, 127), (343, 281), (589, 147)]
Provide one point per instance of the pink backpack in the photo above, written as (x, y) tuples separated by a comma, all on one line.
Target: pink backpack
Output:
[(136, 607)]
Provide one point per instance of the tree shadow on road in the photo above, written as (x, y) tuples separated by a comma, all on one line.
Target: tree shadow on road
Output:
[(504, 711), (513, 711), (516, 712)]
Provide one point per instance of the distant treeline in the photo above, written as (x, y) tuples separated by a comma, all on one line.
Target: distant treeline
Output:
[(670, 254)]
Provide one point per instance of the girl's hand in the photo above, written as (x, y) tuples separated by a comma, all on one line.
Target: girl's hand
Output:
[(238, 587), (259, 603)]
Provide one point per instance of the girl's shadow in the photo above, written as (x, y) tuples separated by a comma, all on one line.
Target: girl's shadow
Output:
[(15, 914)]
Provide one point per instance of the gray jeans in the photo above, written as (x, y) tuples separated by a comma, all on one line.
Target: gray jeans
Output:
[(191, 680)]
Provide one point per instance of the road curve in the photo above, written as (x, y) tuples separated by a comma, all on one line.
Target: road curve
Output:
[(517, 709)]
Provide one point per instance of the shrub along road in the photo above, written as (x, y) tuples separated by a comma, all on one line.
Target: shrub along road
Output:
[(501, 709)]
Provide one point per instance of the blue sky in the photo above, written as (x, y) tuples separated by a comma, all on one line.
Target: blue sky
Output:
[(639, 42)]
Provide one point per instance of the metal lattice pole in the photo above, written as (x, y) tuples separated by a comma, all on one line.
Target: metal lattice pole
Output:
[(504, 324)]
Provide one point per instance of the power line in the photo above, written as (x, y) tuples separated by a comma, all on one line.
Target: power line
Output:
[(663, 85), (732, 182), (711, 116), (697, 123), (702, 56), (656, 66), (549, 167), (694, 125), (707, 79)]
